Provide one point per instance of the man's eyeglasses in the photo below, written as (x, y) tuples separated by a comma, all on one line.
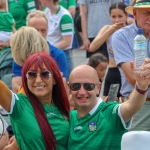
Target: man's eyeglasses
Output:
[(77, 86), (45, 75)]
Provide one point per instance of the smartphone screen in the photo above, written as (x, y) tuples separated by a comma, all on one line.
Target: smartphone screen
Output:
[(113, 91)]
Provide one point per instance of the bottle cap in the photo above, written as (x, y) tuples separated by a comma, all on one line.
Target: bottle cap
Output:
[(140, 31)]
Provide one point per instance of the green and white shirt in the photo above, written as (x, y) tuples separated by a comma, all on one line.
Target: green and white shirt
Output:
[(101, 129), (59, 24), (26, 128), (20, 9), (7, 21)]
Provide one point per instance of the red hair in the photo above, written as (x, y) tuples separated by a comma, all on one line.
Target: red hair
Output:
[(59, 95)]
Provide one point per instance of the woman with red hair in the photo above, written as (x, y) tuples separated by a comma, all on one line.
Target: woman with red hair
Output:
[(39, 117)]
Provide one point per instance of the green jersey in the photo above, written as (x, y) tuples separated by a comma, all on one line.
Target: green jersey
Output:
[(100, 130), (67, 3), (26, 128), (20, 9), (59, 25), (7, 21)]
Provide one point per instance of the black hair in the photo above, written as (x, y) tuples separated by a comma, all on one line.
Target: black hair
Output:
[(119, 5), (95, 59)]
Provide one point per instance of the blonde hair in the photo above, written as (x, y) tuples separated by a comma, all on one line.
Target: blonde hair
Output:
[(36, 13), (25, 42)]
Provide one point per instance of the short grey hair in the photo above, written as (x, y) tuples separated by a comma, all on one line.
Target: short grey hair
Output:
[(36, 13)]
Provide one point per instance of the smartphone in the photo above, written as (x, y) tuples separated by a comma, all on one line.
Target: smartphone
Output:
[(113, 91)]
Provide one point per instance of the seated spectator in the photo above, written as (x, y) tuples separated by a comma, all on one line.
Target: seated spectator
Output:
[(38, 20), (7, 27)]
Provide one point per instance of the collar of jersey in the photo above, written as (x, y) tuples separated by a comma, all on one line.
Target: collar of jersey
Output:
[(96, 106), (58, 10)]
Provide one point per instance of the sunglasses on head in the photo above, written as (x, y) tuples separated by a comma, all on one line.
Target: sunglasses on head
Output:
[(45, 75), (77, 86)]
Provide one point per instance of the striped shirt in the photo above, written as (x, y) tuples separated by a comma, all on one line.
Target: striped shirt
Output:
[(59, 25)]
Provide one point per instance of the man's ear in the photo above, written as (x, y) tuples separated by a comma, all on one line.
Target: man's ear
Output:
[(98, 87), (134, 13), (69, 90)]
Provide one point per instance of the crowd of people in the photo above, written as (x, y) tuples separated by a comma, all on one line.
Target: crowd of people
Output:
[(48, 104)]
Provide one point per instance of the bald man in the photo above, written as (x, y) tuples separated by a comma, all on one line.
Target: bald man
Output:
[(96, 124)]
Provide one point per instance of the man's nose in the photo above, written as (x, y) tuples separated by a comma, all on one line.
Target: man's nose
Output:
[(82, 90)]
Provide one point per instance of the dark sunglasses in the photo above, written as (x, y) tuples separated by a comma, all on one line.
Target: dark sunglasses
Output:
[(45, 75), (77, 86)]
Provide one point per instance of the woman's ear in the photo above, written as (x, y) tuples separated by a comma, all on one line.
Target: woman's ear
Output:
[(99, 87)]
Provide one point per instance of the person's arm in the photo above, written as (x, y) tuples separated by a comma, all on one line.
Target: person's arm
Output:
[(12, 145), (4, 44), (65, 42), (137, 97), (72, 11), (66, 27), (4, 140), (84, 14), (5, 96), (99, 40), (72, 7), (104, 35)]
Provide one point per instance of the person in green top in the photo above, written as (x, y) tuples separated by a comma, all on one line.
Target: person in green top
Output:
[(70, 5), (20, 9), (98, 125), (7, 26), (39, 117)]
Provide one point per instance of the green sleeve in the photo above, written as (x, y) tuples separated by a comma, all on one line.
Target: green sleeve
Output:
[(29, 5), (71, 3), (66, 25)]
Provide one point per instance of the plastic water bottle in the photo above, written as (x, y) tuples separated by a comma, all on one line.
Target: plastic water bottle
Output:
[(140, 48)]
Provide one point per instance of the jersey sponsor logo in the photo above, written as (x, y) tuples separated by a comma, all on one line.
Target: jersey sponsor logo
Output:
[(92, 126), (115, 109), (77, 128), (50, 114)]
